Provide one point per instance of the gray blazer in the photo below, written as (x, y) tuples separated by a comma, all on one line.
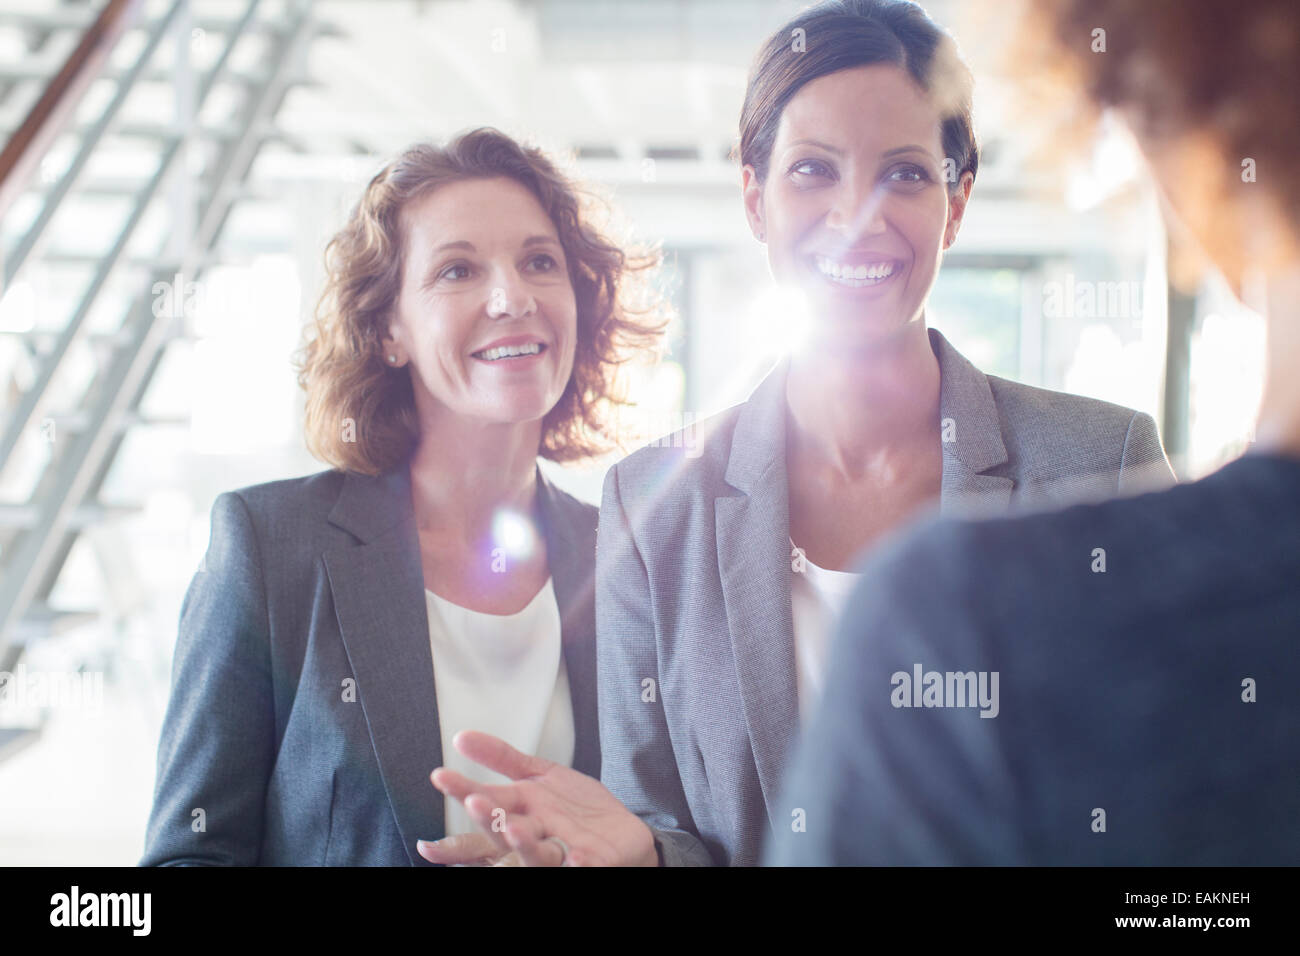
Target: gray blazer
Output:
[(311, 586), (696, 660)]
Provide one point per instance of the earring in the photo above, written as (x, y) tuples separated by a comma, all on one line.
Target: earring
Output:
[(392, 359)]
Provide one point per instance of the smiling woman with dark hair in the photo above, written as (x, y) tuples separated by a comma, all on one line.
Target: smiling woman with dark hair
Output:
[(1148, 718), (344, 626), (719, 573)]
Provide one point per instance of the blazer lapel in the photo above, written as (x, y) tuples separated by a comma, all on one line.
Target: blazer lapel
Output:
[(971, 434), (753, 531), (753, 538), (571, 553), (378, 589)]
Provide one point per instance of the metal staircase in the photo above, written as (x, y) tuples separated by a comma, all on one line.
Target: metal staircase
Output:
[(73, 388)]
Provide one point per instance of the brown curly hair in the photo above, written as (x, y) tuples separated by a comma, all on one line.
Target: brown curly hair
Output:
[(341, 367), (1227, 71)]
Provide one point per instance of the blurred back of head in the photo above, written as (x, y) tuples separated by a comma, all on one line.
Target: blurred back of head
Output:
[(1211, 89)]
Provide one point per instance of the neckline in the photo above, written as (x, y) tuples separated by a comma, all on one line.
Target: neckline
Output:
[(828, 572), (546, 588)]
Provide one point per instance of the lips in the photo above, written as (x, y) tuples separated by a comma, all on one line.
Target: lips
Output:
[(861, 271), (510, 352), (510, 349)]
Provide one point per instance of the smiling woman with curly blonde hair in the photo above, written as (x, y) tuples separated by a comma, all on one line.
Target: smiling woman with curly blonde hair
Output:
[(346, 625), (342, 368)]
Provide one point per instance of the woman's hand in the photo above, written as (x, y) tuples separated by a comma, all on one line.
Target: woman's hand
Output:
[(547, 808), (467, 849)]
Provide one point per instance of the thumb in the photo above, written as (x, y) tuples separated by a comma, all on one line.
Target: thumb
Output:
[(460, 848)]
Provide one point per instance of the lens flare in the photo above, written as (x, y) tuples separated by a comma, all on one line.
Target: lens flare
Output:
[(513, 534), (781, 320)]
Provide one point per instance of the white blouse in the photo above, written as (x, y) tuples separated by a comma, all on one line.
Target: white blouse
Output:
[(503, 674), (817, 597)]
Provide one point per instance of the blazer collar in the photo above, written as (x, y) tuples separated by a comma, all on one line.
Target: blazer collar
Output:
[(758, 441), (378, 590), (371, 506), (753, 541), (569, 528), (971, 434), (969, 424), (966, 399)]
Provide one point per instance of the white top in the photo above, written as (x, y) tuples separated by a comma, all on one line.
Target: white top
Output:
[(502, 674), (817, 596)]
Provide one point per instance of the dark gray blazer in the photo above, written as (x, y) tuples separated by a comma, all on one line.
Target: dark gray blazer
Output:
[(1147, 715), (698, 707), (309, 584)]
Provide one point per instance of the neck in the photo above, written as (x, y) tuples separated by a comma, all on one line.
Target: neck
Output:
[(464, 472), (850, 409), (1278, 427)]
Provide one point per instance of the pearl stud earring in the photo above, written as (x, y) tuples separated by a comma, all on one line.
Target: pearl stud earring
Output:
[(392, 359)]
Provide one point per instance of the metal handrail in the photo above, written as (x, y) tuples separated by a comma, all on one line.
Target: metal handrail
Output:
[(124, 381), (14, 261), (20, 418)]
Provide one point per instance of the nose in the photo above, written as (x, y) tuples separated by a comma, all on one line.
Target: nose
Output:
[(857, 212), (510, 298)]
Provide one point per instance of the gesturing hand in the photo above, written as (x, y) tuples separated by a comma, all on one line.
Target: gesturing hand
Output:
[(467, 849), (546, 808)]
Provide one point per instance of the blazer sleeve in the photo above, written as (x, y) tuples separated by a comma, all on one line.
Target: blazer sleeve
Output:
[(1143, 466), (637, 761), (217, 745)]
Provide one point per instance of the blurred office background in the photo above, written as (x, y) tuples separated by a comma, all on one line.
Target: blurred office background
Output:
[(173, 170)]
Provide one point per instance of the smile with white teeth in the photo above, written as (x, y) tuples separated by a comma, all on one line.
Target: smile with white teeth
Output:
[(860, 275), (508, 351)]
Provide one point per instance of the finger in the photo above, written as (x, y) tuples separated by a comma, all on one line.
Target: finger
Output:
[(459, 848), (453, 783), (526, 835), (495, 754), (481, 813), (489, 818), (508, 796), (510, 859)]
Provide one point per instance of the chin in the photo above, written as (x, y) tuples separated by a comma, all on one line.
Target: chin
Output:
[(852, 346), (517, 414), (521, 407), (846, 327)]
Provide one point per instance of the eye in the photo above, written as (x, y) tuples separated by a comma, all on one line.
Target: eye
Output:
[(451, 272), (543, 263), (909, 175), (811, 168)]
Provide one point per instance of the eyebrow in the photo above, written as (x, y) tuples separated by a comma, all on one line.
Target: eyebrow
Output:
[(437, 251), (819, 144), (911, 147), (461, 244), (469, 246)]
